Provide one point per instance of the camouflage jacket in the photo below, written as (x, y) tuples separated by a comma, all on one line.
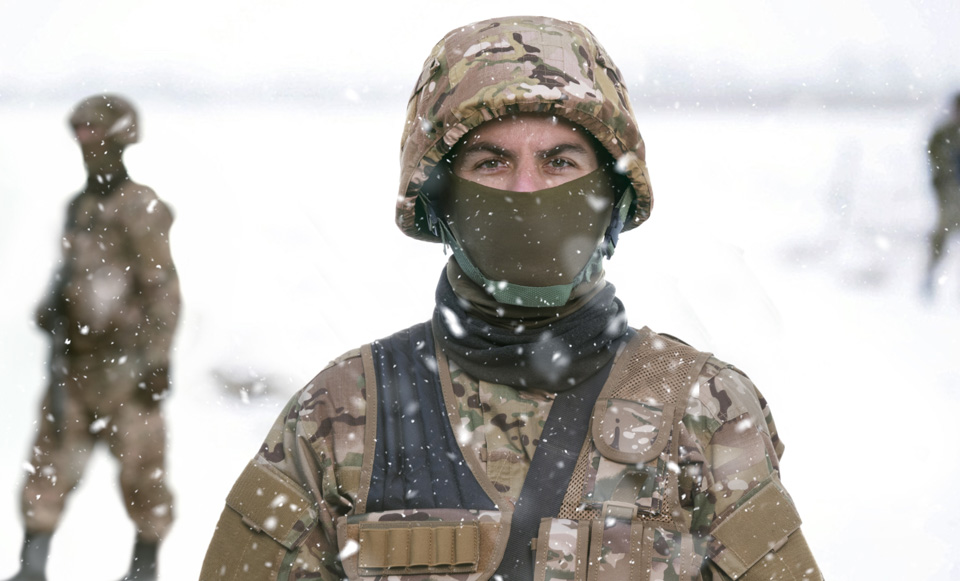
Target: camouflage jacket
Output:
[(707, 486), (117, 283)]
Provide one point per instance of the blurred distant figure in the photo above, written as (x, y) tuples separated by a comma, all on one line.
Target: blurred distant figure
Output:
[(112, 309), (944, 152)]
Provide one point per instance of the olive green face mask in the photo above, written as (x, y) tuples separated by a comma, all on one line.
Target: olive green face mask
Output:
[(528, 248)]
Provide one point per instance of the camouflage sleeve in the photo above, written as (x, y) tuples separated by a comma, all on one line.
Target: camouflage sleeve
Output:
[(730, 453), (50, 309), (326, 452), (148, 223), (279, 522)]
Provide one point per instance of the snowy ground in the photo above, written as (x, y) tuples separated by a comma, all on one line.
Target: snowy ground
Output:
[(790, 242)]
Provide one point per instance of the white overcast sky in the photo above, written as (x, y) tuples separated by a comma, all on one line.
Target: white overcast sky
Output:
[(49, 44)]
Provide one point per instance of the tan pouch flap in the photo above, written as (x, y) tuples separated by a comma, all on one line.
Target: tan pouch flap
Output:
[(420, 542), (271, 502), (629, 431), (760, 525)]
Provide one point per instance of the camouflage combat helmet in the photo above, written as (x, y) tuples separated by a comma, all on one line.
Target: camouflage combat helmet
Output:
[(515, 65), (112, 112)]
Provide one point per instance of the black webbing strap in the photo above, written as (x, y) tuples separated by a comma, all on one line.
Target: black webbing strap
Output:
[(417, 462), (550, 471)]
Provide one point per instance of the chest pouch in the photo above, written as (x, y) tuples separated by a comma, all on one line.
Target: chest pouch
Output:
[(630, 455)]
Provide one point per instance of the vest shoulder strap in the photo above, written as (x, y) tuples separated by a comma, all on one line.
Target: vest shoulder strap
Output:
[(416, 462)]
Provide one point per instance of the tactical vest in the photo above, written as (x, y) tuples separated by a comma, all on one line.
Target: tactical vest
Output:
[(428, 511)]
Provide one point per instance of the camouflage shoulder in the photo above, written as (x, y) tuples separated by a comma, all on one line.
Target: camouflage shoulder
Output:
[(331, 413), (725, 394), (351, 354), (725, 391), (141, 203), (715, 365), (339, 386), (139, 191)]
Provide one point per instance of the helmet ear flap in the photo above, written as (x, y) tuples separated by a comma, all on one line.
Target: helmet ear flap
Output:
[(625, 206), (626, 202), (428, 212)]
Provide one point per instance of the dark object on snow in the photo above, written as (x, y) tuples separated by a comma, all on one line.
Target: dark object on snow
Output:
[(143, 564), (33, 558)]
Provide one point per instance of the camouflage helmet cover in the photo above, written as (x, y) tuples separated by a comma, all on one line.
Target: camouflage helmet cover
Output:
[(511, 65), (112, 112)]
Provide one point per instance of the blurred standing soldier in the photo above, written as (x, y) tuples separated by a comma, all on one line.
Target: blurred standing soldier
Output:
[(112, 310), (944, 152), (526, 431)]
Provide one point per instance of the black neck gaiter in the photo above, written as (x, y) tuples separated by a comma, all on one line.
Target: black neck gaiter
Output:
[(102, 182), (554, 357)]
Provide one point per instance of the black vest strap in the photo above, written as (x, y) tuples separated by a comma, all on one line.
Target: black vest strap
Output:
[(417, 462), (550, 471)]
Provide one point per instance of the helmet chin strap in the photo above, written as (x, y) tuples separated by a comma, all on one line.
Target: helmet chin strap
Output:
[(508, 293)]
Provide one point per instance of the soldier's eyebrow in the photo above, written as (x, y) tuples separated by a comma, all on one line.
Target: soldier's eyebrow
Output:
[(563, 148), (483, 147)]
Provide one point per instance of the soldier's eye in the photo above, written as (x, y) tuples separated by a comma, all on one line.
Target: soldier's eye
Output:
[(489, 164)]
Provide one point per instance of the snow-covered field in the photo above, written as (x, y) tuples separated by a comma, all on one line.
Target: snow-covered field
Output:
[(789, 241)]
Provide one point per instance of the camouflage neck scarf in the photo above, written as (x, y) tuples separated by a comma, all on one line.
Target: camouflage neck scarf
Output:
[(555, 356)]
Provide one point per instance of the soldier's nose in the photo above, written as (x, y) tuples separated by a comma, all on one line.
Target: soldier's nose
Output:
[(526, 180)]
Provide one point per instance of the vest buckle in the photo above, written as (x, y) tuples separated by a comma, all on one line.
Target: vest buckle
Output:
[(615, 510)]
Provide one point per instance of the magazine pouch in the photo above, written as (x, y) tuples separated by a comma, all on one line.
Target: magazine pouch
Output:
[(455, 544)]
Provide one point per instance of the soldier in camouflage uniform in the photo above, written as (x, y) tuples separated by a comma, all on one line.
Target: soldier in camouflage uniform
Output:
[(526, 431), (112, 309), (944, 153)]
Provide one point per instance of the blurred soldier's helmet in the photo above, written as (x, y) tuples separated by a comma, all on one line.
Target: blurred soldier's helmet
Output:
[(504, 66), (113, 113)]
